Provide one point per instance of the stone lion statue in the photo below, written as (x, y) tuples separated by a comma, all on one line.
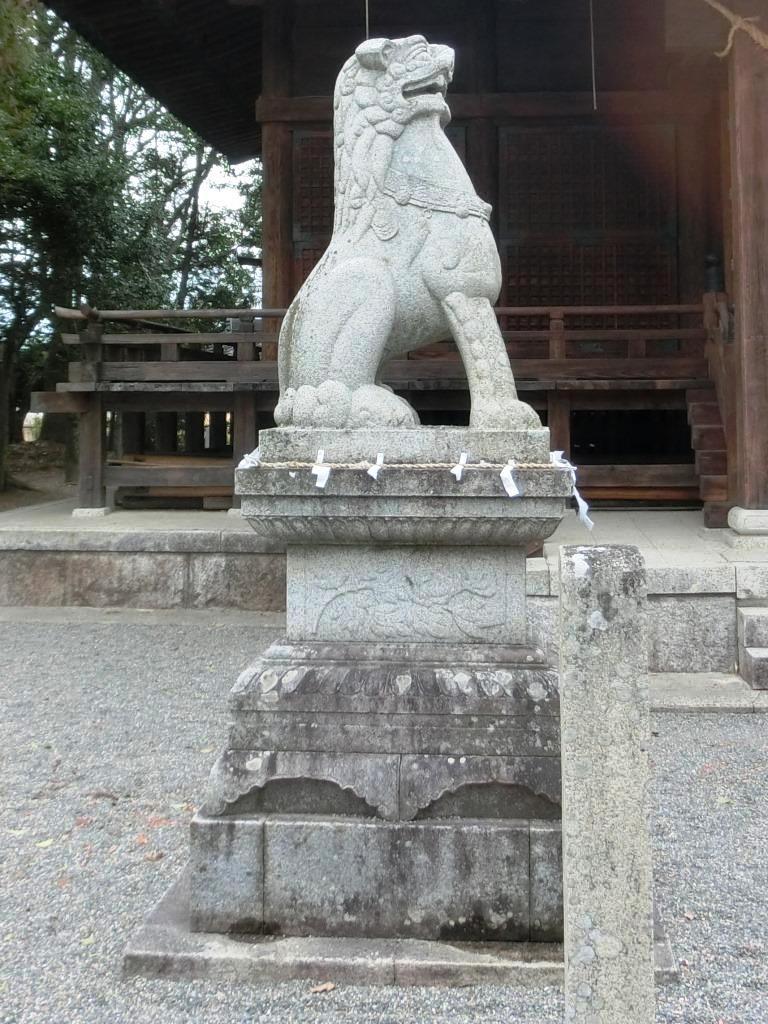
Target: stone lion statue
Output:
[(412, 260)]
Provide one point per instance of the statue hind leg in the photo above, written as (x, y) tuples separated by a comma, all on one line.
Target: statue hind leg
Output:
[(492, 390)]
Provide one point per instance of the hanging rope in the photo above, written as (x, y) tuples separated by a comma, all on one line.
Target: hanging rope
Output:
[(592, 48), (738, 24), (367, 20)]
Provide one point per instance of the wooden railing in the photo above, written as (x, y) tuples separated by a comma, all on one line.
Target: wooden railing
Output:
[(167, 361), (569, 342)]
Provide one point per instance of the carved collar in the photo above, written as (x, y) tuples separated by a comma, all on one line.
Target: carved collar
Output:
[(407, 190)]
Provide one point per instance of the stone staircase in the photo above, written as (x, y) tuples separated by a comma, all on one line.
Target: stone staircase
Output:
[(708, 441), (753, 646)]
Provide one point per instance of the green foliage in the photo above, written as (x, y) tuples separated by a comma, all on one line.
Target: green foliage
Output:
[(104, 197)]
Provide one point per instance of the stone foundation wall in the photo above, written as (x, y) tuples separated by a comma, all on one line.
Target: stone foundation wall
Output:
[(692, 609), (140, 570)]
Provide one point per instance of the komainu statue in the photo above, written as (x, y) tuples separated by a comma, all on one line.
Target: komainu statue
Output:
[(412, 260)]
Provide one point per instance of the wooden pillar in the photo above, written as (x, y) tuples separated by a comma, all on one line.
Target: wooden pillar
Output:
[(129, 436), (167, 423), (482, 133), (91, 453), (277, 161), (166, 431), (244, 431), (194, 435), (748, 93), (559, 421), (244, 424), (91, 432)]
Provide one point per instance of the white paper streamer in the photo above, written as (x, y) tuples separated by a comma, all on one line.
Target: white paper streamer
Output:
[(458, 469), (376, 468), (508, 479), (320, 471), (558, 460), (251, 460)]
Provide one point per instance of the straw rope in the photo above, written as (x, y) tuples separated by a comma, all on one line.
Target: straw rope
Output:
[(738, 24), (408, 465)]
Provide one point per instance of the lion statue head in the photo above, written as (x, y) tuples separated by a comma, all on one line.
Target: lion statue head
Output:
[(382, 88)]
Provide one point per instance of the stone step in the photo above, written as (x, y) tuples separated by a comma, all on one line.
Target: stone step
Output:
[(754, 666), (753, 627), (704, 414)]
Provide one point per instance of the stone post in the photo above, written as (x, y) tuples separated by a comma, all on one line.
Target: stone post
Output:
[(609, 973)]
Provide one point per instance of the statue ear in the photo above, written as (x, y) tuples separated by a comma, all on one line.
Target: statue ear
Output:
[(375, 54)]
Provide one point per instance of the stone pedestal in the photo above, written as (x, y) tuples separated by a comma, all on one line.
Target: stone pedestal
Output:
[(392, 768)]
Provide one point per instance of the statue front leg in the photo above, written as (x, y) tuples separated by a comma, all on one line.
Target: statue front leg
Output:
[(492, 390)]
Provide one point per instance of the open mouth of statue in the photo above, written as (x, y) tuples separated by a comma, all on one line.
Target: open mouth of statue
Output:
[(437, 87)]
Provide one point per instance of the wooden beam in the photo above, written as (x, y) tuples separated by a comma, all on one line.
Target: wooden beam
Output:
[(166, 314), (140, 475), (620, 106), (163, 401), (412, 370), (58, 402), (238, 339), (748, 92), (659, 475)]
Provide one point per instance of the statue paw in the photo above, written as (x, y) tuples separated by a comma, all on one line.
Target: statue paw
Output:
[(504, 414), (333, 404), (378, 406)]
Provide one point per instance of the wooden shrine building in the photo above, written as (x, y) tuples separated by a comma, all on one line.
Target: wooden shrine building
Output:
[(632, 223)]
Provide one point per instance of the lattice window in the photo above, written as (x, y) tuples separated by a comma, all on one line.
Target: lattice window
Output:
[(587, 216), (312, 185), (587, 179), (613, 274)]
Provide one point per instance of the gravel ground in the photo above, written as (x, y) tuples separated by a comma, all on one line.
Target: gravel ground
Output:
[(107, 731)]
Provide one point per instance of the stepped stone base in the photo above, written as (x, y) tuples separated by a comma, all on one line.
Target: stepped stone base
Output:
[(165, 947), (385, 790), (468, 880)]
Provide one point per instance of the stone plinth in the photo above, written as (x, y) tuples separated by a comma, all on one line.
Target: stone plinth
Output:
[(606, 779), (392, 768), (415, 500)]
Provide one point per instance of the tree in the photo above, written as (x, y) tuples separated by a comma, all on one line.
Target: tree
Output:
[(102, 197)]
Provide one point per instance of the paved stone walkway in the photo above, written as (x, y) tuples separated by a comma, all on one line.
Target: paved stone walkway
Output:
[(109, 722)]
